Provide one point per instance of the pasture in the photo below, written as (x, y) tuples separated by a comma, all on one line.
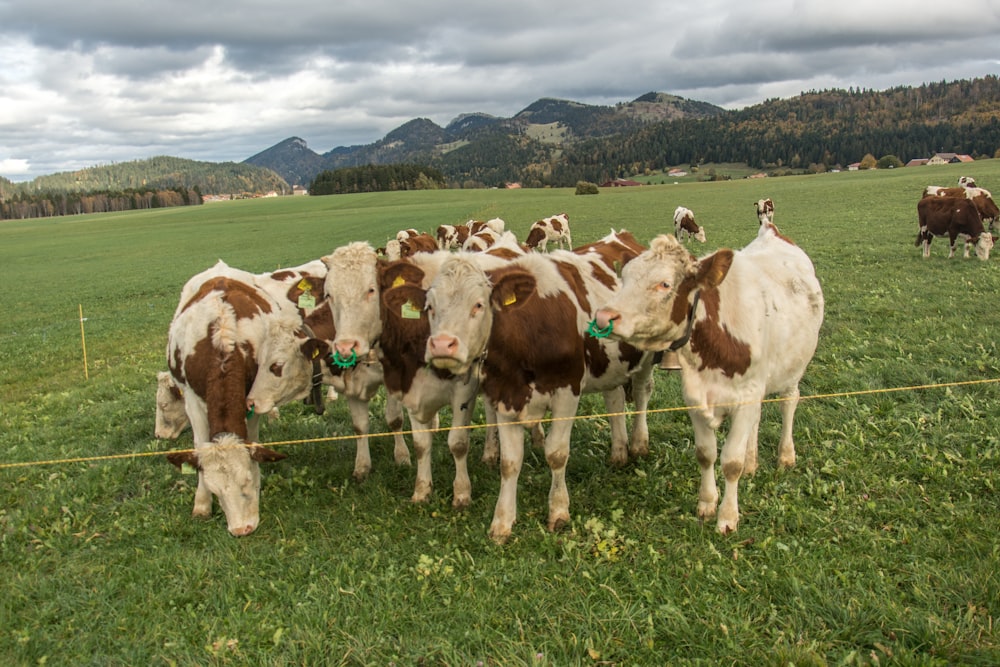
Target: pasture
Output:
[(882, 545)]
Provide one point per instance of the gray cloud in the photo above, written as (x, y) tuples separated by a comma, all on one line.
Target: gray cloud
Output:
[(105, 81)]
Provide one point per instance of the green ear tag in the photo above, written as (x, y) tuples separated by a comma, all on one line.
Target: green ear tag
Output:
[(409, 312), (307, 301), (188, 469)]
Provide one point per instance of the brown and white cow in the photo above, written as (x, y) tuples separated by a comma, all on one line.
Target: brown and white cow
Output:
[(294, 362), (525, 322), (745, 325), (481, 241), (404, 234), (685, 226), (451, 236), (398, 249), (171, 419), (765, 211), (981, 197), (554, 228), (954, 217), (362, 318), (211, 350)]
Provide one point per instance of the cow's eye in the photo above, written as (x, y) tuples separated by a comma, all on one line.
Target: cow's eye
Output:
[(276, 369), (477, 308), (664, 286)]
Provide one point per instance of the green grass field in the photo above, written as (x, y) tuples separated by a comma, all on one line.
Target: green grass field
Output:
[(882, 546)]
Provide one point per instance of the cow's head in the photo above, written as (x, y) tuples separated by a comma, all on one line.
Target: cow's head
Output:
[(352, 291), (171, 417), (230, 469), (984, 245), (765, 210), (285, 362), (652, 308), (460, 313)]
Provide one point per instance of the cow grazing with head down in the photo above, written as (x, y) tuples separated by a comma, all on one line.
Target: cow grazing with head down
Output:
[(954, 217), (554, 228), (745, 325), (525, 322), (685, 226), (481, 241), (765, 211), (211, 353), (980, 197), (367, 320)]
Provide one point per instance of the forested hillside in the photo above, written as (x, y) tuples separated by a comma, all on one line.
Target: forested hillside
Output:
[(816, 129)]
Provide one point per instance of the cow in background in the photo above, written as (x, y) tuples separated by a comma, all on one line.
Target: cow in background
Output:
[(981, 197), (554, 228), (954, 217), (765, 211), (685, 226), (745, 325), (171, 419)]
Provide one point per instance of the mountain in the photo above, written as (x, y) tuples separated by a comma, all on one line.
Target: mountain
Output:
[(479, 148), (163, 172), (559, 142)]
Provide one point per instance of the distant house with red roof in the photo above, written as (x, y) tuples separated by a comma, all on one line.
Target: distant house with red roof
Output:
[(619, 183)]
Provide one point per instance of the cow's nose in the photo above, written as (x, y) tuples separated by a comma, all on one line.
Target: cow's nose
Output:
[(346, 347), (606, 316), (242, 531), (442, 345)]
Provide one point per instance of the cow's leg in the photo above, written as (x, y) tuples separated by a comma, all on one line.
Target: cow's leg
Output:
[(927, 247), (564, 406), (462, 404), (786, 446), (197, 413), (642, 390), (423, 438), (360, 421), (734, 453), (511, 458), (491, 448), (394, 420), (614, 402), (706, 451), (750, 462)]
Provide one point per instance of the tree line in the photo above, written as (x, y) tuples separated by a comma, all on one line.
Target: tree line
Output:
[(377, 178), (23, 205)]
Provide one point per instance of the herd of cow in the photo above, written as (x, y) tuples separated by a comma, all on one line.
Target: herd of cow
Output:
[(529, 331), (965, 212)]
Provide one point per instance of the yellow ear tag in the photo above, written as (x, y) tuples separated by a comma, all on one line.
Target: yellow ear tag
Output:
[(188, 469), (409, 312), (305, 285), (315, 353), (510, 300), (398, 281)]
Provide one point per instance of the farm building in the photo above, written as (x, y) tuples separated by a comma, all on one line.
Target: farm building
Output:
[(619, 183), (949, 158)]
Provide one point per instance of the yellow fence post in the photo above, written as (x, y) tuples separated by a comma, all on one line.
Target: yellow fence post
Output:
[(83, 341)]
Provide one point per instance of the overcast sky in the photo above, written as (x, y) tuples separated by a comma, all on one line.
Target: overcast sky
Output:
[(102, 81)]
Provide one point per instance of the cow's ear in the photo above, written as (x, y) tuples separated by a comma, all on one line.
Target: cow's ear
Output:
[(265, 455), (405, 301), (314, 348), (512, 290), (712, 270), (180, 459), (393, 274)]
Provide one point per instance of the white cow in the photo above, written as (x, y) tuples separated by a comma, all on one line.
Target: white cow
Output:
[(745, 325), (765, 211), (685, 226), (554, 228)]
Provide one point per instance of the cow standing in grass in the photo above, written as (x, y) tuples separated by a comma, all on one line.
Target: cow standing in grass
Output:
[(685, 226), (745, 324), (956, 218)]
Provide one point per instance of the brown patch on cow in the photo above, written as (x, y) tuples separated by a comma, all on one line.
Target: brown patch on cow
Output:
[(245, 300), (524, 356), (778, 234), (502, 253), (403, 341), (535, 237), (392, 274), (713, 343), (571, 274), (222, 378)]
